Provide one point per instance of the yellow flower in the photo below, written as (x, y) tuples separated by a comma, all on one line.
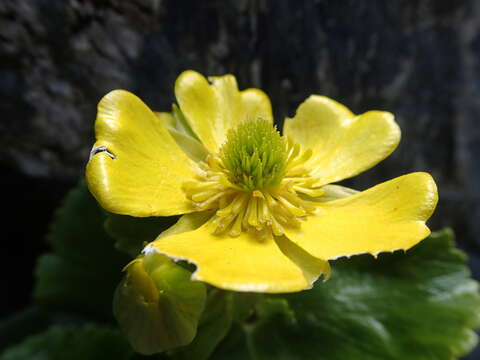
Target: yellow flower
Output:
[(259, 211)]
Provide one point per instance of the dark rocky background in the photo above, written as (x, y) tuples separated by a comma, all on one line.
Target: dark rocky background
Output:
[(418, 59)]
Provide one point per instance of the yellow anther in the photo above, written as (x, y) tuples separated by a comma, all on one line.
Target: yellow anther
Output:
[(264, 213), (299, 159), (258, 194), (294, 210), (293, 151), (312, 192), (207, 205), (272, 204), (237, 225), (252, 217), (223, 202), (297, 171), (292, 197), (223, 222), (202, 196), (277, 228), (234, 206)]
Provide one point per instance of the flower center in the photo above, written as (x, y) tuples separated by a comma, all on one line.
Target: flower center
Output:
[(254, 155), (257, 182)]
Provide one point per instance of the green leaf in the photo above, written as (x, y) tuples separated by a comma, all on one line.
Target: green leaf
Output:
[(214, 325), (157, 305), (234, 346), (19, 325), (72, 342), (131, 233), (82, 272), (418, 305)]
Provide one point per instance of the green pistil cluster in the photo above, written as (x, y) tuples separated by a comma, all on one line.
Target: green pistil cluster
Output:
[(254, 155)]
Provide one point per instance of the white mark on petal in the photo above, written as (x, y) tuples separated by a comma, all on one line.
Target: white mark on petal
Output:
[(98, 149), (149, 249)]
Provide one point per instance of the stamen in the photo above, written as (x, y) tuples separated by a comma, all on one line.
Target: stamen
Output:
[(257, 183), (252, 217), (264, 213), (223, 222), (236, 229), (202, 196), (293, 150), (295, 211), (234, 206), (300, 160), (310, 192), (258, 194), (277, 228), (272, 204), (297, 171), (206, 204)]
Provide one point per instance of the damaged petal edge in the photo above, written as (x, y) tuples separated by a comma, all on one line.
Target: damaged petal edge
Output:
[(99, 149), (196, 276), (151, 249), (374, 254)]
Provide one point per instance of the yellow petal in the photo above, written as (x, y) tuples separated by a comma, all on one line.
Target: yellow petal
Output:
[(140, 169), (187, 222), (213, 109), (387, 217), (243, 263), (311, 266), (256, 105), (230, 107), (343, 144), (198, 102)]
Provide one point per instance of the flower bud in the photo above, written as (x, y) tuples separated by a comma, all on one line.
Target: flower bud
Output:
[(157, 305)]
